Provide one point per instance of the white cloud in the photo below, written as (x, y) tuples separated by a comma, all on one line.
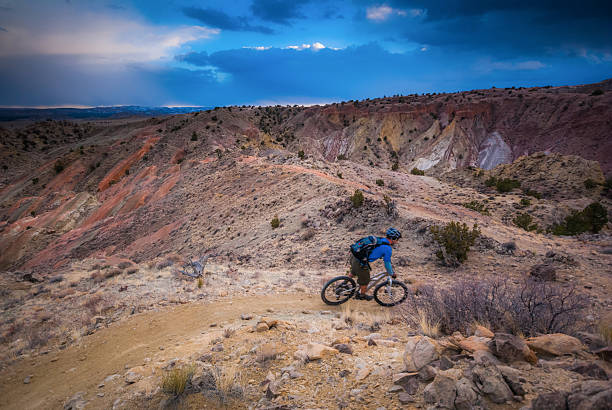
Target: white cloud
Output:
[(99, 36), (316, 46), (259, 48), (383, 12)]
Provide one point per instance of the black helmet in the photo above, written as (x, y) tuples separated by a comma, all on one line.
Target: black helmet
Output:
[(394, 234)]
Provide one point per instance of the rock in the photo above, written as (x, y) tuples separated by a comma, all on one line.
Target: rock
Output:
[(406, 398), (420, 351), (341, 340), (395, 389), (589, 369), (454, 373), (206, 357), (132, 377), (343, 348), (466, 394), (385, 343), (441, 392), (27, 379), (550, 401), (484, 357), (363, 373), (556, 344), (272, 390), (605, 353), (246, 316), (491, 383), (404, 377), (474, 343), (315, 351), (446, 363), (262, 327), (543, 272), (427, 373), (481, 331), (217, 348), (98, 319), (512, 378), (510, 348), (373, 336), (76, 402), (592, 341)]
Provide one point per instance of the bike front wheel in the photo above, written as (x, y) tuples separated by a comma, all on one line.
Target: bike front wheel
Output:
[(338, 290), (392, 294)]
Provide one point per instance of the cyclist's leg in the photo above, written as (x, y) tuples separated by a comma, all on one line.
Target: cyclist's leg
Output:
[(362, 273)]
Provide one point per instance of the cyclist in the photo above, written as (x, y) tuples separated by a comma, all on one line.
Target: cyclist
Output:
[(362, 271)]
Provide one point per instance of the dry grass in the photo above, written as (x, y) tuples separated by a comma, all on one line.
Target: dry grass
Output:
[(228, 332), (266, 352), (200, 283), (229, 383), (427, 326), (175, 380), (605, 331), (374, 321), (349, 313)]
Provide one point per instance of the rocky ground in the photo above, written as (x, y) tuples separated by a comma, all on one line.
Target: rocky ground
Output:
[(97, 219)]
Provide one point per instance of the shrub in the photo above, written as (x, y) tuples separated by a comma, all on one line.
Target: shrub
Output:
[(506, 184), (455, 240), (275, 222), (525, 221), (380, 182), (531, 192), (34, 181), (528, 308), (395, 166), (200, 283), (339, 175), (590, 184), (194, 136), (592, 218), (357, 199), (58, 167), (228, 383), (301, 154), (175, 380), (477, 206), (341, 157), (525, 202), (597, 92), (416, 171), (491, 181)]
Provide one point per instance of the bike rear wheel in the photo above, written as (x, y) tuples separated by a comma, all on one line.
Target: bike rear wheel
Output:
[(338, 290), (390, 295)]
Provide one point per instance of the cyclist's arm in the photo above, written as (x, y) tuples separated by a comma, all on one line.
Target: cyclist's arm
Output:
[(387, 260)]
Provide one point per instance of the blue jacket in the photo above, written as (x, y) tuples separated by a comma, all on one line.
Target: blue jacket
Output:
[(383, 251)]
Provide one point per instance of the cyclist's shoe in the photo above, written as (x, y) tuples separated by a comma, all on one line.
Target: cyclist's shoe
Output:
[(361, 296)]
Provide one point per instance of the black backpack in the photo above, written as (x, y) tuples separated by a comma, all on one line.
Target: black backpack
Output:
[(364, 247)]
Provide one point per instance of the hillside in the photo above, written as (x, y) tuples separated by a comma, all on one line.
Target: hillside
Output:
[(96, 216)]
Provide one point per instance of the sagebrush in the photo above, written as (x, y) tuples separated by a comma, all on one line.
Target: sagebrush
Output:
[(455, 240), (528, 308)]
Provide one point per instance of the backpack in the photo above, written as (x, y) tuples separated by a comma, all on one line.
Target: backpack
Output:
[(364, 247)]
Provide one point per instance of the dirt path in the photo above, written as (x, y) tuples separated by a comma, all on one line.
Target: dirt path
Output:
[(59, 375)]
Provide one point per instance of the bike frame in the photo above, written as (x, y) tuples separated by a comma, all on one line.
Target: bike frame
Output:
[(377, 278)]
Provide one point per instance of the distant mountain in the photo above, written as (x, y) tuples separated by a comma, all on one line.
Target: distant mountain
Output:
[(11, 114)]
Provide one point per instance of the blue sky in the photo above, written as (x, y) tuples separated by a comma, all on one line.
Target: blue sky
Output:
[(186, 52)]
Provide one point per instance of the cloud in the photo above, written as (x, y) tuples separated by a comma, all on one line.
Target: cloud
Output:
[(382, 13), (219, 19), (3, 29), (314, 47), (103, 37), (278, 11), (511, 66)]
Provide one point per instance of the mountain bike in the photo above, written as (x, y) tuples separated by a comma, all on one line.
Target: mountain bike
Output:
[(387, 291)]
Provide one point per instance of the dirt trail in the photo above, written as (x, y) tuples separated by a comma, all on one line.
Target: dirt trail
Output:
[(59, 375)]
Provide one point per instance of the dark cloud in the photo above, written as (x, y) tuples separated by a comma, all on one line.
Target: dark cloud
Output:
[(115, 6), (278, 11), (219, 19), (506, 28), (3, 29)]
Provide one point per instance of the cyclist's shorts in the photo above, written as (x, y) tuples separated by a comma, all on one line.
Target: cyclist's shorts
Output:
[(362, 272)]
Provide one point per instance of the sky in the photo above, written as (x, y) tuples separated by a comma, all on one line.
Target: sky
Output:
[(264, 52)]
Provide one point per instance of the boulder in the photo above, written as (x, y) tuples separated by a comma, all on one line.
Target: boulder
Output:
[(132, 377), (419, 352), (589, 369), (474, 343), (466, 394), (484, 357), (512, 377), (550, 401), (509, 348), (76, 402), (441, 392), (491, 383), (605, 353), (482, 331), (427, 373), (591, 395), (556, 344), (543, 272), (344, 348), (261, 327), (315, 351), (363, 373)]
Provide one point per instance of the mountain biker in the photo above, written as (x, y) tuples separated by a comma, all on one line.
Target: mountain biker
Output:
[(362, 271)]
